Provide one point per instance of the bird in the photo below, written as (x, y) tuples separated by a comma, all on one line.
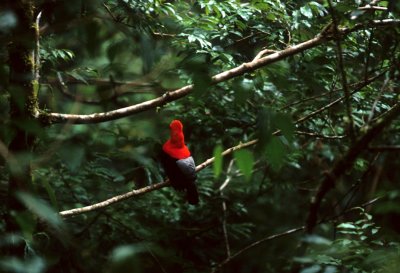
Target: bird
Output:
[(179, 164)]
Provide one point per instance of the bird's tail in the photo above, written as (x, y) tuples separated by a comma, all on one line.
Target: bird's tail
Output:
[(192, 195)]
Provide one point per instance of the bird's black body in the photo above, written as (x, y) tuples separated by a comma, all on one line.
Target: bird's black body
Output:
[(182, 174)]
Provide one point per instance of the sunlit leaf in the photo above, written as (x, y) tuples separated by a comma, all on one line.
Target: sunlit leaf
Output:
[(346, 226), (306, 11), (245, 160), (217, 165)]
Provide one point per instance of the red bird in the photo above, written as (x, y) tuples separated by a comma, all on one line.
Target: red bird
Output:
[(179, 164)]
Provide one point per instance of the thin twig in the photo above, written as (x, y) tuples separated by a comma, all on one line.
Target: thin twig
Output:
[(342, 71), (372, 8), (383, 88), (37, 47), (224, 209), (331, 104), (387, 148), (203, 165), (228, 176), (112, 14), (311, 134), (289, 232), (352, 86), (345, 162)]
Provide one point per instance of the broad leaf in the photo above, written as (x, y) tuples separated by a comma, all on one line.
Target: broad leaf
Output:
[(244, 160), (217, 165)]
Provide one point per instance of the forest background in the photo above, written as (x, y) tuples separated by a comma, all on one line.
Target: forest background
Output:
[(290, 109)]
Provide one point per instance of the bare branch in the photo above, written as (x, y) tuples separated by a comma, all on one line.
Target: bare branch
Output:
[(311, 134), (383, 88), (372, 8), (228, 176), (203, 165), (221, 77), (110, 13), (37, 47), (114, 199), (164, 35), (181, 92), (149, 188), (224, 208), (262, 53)]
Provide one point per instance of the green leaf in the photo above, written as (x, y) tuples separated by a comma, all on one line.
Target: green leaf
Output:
[(51, 193), (317, 240), (275, 152), (264, 126), (125, 258), (244, 160), (26, 222), (41, 209), (72, 155), (347, 226), (77, 76), (285, 124), (217, 165), (318, 8), (243, 89), (306, 11)]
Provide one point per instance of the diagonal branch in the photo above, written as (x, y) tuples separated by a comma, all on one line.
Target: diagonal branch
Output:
[(181, 92), (345, 163), (138, 192), (221, 77), (357, 88), (354, 86), (149, 188), (316, 135)]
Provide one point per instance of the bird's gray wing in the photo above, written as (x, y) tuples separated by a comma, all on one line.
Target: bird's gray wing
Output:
[(187, 167)]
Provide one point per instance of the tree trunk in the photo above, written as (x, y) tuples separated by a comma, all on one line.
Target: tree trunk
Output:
[(23, 106)]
